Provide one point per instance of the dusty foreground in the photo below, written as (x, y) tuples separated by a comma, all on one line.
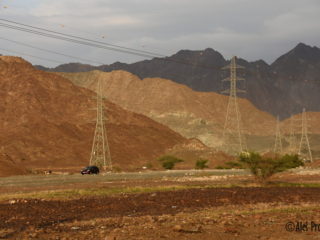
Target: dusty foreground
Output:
[(202, 213)]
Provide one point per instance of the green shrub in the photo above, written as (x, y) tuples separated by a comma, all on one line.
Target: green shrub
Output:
[(201, 164), (219, 167), (230, 165), (168, 161), (222, 167), (264, 167), (234, 164)]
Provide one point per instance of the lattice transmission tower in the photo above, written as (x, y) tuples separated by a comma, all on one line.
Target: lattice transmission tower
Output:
[(100, 153), (292, 148), (304, 147), (278, 142), (233, 140)]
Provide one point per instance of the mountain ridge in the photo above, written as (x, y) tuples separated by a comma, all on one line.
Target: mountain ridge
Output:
[(193, 114), (267, 85)]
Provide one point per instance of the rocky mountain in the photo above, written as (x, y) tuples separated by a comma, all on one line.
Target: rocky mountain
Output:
[(47, 122), (193, 114), (282, 88), (297, 77)]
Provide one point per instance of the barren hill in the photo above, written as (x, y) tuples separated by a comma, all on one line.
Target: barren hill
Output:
[(294, 124), (47, 122), (312, 123), (191, 113)]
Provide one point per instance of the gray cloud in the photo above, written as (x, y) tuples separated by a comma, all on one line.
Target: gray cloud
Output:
[(251, 29)]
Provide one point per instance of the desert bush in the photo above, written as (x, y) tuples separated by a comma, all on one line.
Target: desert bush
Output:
[(149, 165), (168, 161), (264, 167), (234, 164), (219, 167), (116, 169), (230, 165), (201, 164)]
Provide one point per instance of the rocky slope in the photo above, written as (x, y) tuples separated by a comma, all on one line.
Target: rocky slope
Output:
[(282, 88), (193, 114), (46, 122)]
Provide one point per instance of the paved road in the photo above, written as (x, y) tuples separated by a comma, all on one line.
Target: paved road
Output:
[(49, 180)]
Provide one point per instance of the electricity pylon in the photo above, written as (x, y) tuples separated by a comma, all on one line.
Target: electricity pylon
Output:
[(304, 148), (292, 148), (100, 153), (278, 142), (233, 141)]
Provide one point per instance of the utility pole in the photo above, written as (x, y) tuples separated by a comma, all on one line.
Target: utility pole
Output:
[(100, 153), (233, 140), (278, 142), (304, 148)]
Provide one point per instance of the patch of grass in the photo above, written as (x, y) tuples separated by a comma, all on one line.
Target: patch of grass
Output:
[(300, 210), (77, 193), (306, 185), (94, 192), (70, 194)]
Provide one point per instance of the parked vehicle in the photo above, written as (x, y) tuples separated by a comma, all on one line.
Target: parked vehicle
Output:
[(90, 170)]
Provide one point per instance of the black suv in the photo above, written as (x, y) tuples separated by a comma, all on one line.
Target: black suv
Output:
[(90, 170)]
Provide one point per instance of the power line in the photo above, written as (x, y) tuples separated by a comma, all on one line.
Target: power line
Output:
[(70, 39), (50, 51), (29, 55), (92, 43), (85, 39)]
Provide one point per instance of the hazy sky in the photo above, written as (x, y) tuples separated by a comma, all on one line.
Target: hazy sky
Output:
[(251, 29)]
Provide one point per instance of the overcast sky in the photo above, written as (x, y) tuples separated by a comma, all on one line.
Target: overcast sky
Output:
[(251, 29)]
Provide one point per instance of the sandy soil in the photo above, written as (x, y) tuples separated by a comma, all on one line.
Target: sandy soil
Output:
[(216, 213)]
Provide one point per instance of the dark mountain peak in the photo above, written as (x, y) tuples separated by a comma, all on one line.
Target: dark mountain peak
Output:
[(242, 61), (208, 52), (116, 64), (40, 67), (302, 46), (300, 53), (182, 54), (306, 52), (260, 62), (211, 51), (74, 67)]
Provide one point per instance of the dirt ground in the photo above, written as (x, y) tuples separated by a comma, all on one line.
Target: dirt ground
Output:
[(208, 213)]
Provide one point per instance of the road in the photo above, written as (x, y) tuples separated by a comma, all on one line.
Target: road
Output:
[(53, 179)]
